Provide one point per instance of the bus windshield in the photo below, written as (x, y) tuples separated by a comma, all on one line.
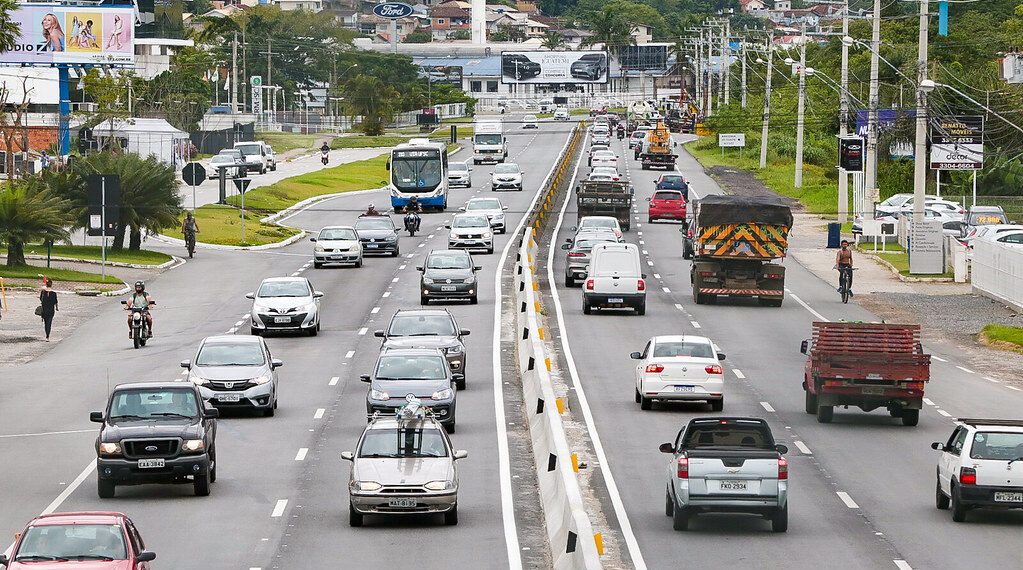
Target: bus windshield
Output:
[(417, 173)]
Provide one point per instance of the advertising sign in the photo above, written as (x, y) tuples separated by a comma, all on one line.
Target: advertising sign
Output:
[(926, 248), (732, 139), (957, 143), (73, 34), (104, 194), (554, 67), (644, 57), (851, 154), (438, 74), (393, 10)]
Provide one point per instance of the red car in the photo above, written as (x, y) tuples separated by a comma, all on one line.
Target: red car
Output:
[(80, 540), (667, 205)]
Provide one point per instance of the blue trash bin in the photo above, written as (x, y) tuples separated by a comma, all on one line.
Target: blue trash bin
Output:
[(834, 235)]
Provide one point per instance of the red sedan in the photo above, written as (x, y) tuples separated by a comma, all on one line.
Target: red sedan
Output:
[(667, 205), (80, 540)]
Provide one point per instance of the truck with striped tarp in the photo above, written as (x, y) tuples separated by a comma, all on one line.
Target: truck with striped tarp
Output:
[(735, 240)]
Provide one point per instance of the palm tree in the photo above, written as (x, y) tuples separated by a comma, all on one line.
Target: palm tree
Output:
[(369, 98), (553, 40), (29, 211), (611, 29), (9, 29)]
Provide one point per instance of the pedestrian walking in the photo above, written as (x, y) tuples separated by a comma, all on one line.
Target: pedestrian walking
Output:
[(48, 306)]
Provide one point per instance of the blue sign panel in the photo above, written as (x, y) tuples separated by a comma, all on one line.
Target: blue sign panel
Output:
[(393, 10)]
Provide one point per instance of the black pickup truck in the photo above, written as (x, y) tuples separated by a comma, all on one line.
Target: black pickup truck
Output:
[(158, 432), (605, 198)]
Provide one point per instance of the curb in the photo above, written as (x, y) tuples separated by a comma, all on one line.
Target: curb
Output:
[(180, 242), (174, 260), (299, 206)]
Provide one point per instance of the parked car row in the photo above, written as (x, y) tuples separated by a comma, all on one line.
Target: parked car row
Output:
[(244, 157)]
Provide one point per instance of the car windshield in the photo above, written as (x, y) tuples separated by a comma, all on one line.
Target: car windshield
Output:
[(248, 149), (283, 289), (667, 196), (680, 348), (484, 204), (422, 325), (447, 261), (997, 445), (469, 222), (337, 233), (403, 442), (411, 368), (509, 168), (365, 224), (156, 403), (224, 354), (60, 542), (488, 138), (458, 167)]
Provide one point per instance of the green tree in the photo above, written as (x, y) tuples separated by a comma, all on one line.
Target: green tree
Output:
[(29, 211), (418, 37), (372, 100), (553, 41), (610, 29), (9, 30)]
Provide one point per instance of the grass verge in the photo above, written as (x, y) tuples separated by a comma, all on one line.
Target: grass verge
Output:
[(357, 175), (1000, 335), (222, 225), (30, 274), (900, 261), (283, 142), (94, 252), (363, 141)]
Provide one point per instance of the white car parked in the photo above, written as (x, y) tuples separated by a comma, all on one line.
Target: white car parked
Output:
[(981, 465), (679, 367)]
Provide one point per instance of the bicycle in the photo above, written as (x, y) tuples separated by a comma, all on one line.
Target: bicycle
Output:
[(190, 242), (844, 277)]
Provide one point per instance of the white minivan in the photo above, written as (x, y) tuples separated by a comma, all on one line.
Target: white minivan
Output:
[(614, 279), (256, 154)]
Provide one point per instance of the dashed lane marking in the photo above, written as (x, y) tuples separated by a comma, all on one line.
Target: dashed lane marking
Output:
[(666, 290), (802, 447), (333, 380), (362, 331), (295, 274), (302, 451), (902, 565), (696, 325), (319, 413), (395, 280), (421, 245), (807, 307), (767, 406), (966, 370), (1013, 388), (645, 252), (350, 354), (386, 294), (232, 330), (679, 307), (847, 500), (944, 413), (375, 310), (650, 263), (402, 266), (938, 358), (279, 508), (990, 379), (239, 323), (738, 373), (929, 402), (657, 275)]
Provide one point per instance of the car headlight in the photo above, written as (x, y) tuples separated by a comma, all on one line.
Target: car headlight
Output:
[(439, 485), (110, 448), (262, 379), (378, 395), (366, 486), (453, 350), (193, 445), (307, 308), (487, 235), (442, 394), (319, 249), (427, 281), (198, 380), (499, 217), (260, 309)]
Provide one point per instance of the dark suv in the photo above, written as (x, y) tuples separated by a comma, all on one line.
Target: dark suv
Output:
[(428, 328), (448, 274), (519, 67), (158, 432), (419, 372), (590, 66)]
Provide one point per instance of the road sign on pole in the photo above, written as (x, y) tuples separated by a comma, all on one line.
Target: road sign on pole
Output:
[(193, 174), (242, 184)]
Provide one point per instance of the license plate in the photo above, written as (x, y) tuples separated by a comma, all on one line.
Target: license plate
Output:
[(1008, 497), (875, 391), (402, 503), (447, 287), (733, 486), (150, 463), (371, 245), (282, 319), (337, 257), (229, 397), (615, 300), (685, 388)]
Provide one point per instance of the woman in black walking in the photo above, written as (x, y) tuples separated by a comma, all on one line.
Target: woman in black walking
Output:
[(48, 302)]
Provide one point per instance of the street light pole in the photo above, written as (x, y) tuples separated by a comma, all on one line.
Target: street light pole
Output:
[(767, 100), (870, 168), (744, 73), (920, 158), (726, 53), (843, 127), (798, 183)]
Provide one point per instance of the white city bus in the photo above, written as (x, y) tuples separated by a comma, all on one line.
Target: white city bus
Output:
[(419, 168)]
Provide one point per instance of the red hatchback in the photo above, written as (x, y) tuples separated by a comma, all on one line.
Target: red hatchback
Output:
[(81, 540), (667, 205)]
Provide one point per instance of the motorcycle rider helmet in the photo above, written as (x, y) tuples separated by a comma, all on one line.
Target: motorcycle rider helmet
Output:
[(140, 285), (371, 206)]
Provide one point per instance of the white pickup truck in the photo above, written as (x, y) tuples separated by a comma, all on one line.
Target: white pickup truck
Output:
[(727, 464)]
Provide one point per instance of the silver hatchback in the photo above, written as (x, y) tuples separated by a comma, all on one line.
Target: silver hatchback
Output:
[(285, 304), (235, 371)]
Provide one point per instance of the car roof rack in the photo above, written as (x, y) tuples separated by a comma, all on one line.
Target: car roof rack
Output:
[(990, 422)]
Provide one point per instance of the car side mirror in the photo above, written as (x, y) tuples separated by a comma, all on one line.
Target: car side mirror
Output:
[(721, 356), (250, 295), (636, 355), (477, 268), (458, 377), (146, 556), (506, 207), (461, 208), (364, 377), (648, 199), (804, 346), (312, 239), (419, 268), (276, 363), (938, 445), (317, 294), (566, 246), (3, 557), (388, 165), (464, 332), (347, 455), (211, 413), (782, 448), (186, 364), (96, 417), (666, 448), (447, 226), (379, 334), (642, 275), (461, 454), (573, 228)]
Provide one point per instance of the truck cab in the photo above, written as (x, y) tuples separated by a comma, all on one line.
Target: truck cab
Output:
[(488, 142)]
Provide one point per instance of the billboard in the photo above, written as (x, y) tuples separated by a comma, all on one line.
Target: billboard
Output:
[(73, 34), (957, 142), (647, 57), (554, 67), (437, 74)]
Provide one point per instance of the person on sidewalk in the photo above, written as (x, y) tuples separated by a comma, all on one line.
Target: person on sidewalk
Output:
[(844, 262), (48, 303)]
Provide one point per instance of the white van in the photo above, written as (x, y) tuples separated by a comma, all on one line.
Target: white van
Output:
[(255, 154), (547, 106), (614, 279)]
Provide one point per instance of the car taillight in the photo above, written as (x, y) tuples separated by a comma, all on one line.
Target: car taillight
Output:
[(967, 476), (914, 385), (772, 275), (783, 469), (683, 467), (714, 369), (706, 273), (657, 368), (640, 285), (589, 284), (571, 254)]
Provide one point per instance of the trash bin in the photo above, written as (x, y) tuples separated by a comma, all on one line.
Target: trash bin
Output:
[(834, 235)]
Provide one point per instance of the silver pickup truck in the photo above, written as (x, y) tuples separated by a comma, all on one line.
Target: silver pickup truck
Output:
[(726, 464)]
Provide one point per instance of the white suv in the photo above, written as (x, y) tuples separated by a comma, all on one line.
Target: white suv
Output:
[(981, 465), (614, 279)]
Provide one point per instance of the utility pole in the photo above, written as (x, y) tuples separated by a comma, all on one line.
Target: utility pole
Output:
[(709, 91), (870, 168), (269, 52), (245, 71), (800, 110), (698, 60), (726, 53), (723, 75), (234, 74), (767, 100), (920, 158), (843, 127), (744, 73)]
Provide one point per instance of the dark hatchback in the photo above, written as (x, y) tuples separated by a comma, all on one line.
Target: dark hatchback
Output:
[(420, 372), (448, 274), (428, 328), (159, 432), (377, 234), (519, 67), (673, 182)]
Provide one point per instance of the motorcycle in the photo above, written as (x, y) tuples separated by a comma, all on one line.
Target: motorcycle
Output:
[(412, 221), (190, 243), (621, 133), (139, 325), (324, 157)]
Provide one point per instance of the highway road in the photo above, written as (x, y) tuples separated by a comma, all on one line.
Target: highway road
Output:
[(280, 500), (861, 489)]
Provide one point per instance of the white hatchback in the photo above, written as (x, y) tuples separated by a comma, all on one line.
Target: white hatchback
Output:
[(604, 158), (679, 367)]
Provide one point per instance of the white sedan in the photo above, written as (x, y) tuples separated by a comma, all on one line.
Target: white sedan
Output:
[(604, 158), (679, 368)]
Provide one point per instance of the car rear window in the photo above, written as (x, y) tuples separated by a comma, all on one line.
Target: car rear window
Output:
[(680, 348), (729, 435), (668, 196), (986, 218), (620, 261), (1005, 446)]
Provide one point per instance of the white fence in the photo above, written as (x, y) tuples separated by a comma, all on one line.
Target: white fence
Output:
[(997, 271)]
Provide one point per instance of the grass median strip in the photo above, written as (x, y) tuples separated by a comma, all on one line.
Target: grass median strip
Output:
[(1003, 336), (283, 142), (222, 225), (29, 275), (362, 141), (94, 252)]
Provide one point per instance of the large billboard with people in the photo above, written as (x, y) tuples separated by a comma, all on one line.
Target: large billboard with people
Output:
[(554, 66), (73, 34)]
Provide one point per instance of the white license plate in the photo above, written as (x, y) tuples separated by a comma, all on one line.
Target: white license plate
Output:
[(734, 486), (685, 388), (1008, 497), (447, 287), (371, 245), (282, 319), (337, 257), (875, 391), (229, 397), (150, 463), (615, 300), (402, 503)]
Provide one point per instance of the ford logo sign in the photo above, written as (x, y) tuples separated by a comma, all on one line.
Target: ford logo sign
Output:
[(392, 10), (151, 448)]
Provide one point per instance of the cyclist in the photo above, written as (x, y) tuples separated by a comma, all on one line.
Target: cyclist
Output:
[(844, 264)]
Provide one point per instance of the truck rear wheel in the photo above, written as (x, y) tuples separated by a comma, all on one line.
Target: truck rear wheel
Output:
[(910, 417), (780, 519), (811, 402), (825, 413)]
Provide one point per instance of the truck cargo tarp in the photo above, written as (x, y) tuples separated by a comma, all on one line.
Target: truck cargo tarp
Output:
[(724, 210)]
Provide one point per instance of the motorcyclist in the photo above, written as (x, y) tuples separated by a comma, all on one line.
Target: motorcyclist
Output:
[(371, 211), (140, 300), (324, 153), (413, 208)]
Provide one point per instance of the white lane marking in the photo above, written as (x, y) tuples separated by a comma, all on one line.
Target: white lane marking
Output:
[(966, 370), (375, 310), (1013, 388), (808, 307), (990, 379), (695, 324), (410, 255), (70, 488), (641, 242), (902, 565), (938, 358), (319, 413), (350, 354), (402, 266), (184, 372), (666, 290), (333, 380), (386, 295), (767, 406), (657, 275), (929, 402), (421, 245), (802, 447), (395, 280), (598, 448), (639, 233), (430, 236), (300, 456), (232, 330), (679, 307), (362, 331), (279, 508), (650, 263), (645, 252), (944, 413), (738, 373), (295, 274), (847, 500), (239, 323)]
